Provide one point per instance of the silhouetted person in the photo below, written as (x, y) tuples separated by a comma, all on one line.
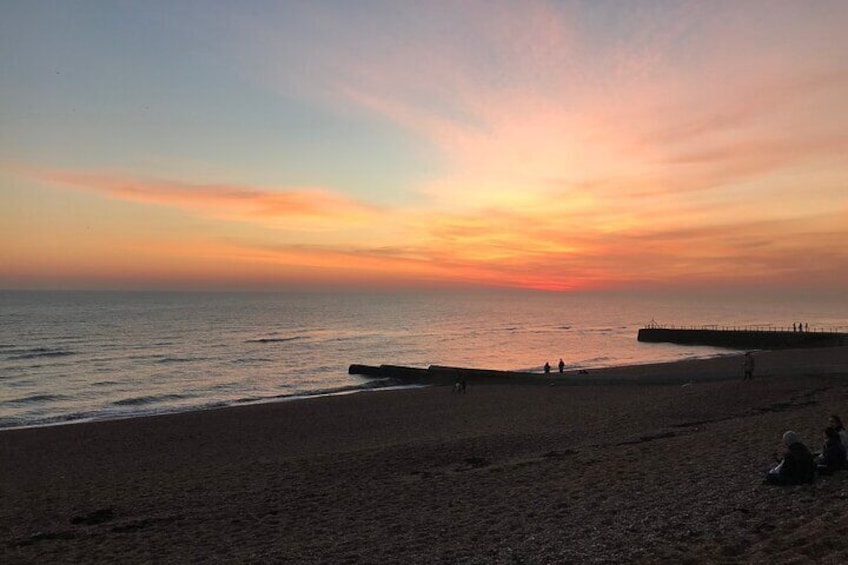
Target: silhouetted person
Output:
[(748, 366), (561, 366), (797, 466), (547, 368), (835, 422), (806, 327), (459, 385), (794, 327), (832, 457)]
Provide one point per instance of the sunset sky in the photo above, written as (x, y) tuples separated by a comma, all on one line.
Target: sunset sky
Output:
[(363, 144)]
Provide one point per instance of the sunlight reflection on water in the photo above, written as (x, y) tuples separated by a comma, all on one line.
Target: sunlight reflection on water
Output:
[(70, 356)]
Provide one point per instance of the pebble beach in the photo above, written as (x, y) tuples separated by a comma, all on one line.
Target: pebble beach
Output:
[(645, 464)]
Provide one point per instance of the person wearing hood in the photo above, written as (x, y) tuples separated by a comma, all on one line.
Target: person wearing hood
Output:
[(836, 422), (832, 457), (797, 466)]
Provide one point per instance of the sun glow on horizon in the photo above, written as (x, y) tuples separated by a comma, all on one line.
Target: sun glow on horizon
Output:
[(555, 146)]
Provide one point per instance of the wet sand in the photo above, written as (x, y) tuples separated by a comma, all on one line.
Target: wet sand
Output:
[(506, 473)]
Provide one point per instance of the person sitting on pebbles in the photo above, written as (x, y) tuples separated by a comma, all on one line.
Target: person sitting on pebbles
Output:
[(832, 457), (797, 466), (836, 422)]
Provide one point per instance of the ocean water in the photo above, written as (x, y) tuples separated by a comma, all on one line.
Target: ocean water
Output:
[(80, 356)]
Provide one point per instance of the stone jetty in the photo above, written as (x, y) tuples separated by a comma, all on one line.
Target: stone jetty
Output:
[(743, 338)]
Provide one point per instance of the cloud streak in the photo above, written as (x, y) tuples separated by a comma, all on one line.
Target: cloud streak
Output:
[(584, 145), (551, 247), (301, 209)]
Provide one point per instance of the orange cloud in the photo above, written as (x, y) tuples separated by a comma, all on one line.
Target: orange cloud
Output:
[(302, 209), (683, 154), (517, 248)]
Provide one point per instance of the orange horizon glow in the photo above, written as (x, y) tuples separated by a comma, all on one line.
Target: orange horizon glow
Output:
[(682, 148)]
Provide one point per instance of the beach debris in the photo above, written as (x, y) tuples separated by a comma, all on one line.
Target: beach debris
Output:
[(477, 462), (554, 454), (44, 536), (647, 438), (93, 518)]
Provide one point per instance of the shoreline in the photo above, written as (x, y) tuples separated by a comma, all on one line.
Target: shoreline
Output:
[(218, 406), (598, 375), (665, 472)]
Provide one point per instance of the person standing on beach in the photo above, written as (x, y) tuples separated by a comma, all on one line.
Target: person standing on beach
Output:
[(748, 366), (561, 366), (547, 368)]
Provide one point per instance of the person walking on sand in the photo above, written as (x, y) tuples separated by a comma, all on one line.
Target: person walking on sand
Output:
[(547, 368), (561, 366), (459, 385), (748, 366)]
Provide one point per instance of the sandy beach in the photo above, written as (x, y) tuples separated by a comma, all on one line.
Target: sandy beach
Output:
[(670, 470)]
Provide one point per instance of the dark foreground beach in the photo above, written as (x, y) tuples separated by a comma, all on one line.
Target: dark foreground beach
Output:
[(507, 473)]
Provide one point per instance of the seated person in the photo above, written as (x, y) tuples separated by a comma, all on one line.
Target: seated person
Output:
[(797, 466), (832, 457), (835, 422)]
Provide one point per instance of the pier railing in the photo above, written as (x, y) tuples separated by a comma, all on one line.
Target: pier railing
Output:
[(743, 337), (748, 328)]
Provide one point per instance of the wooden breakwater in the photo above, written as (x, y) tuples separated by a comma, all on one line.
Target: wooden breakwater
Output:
[(439, 374), (743, 338), (719, 368)]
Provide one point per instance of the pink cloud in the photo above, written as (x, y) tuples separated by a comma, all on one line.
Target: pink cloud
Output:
[(698, 149), (300, 208)]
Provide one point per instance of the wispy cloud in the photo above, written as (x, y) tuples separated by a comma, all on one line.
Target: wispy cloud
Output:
[(549, 245), (585, 144), (683, 101), (285, 208)]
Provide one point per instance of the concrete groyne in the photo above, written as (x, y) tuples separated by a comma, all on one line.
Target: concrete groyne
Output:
[(439, 374), (678, 372), (733, 338)]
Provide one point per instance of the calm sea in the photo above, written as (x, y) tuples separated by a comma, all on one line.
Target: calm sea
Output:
[(77, 356)]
